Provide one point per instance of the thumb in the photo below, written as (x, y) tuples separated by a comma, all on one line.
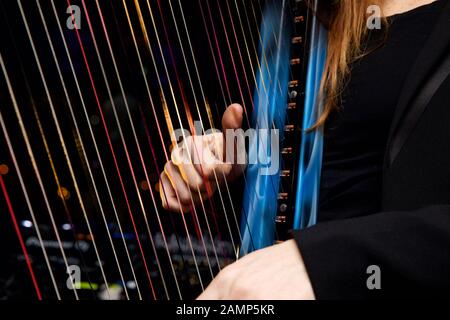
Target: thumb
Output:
[(232, 117), (231, 120)]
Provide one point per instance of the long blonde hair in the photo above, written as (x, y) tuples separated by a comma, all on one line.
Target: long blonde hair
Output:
[(346, 21)]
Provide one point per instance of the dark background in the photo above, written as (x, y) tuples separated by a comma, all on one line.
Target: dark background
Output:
[(33, 103)]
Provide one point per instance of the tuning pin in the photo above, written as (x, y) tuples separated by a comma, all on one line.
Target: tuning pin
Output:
[(293, 94)]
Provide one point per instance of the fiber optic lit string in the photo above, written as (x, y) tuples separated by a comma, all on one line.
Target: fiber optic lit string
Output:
[(137, 144), (225, 77), (247, 46), (225, 102), (219, 52), (261, 110), (213, 54), (38, 177), (197, 107), (252, 39), (204, 100), (27, 198), (188, 112), (95, 147), (164, 101), (153, 110), (56, 177), (168, 120), (86, 160), (114, 109), (262, 142), (244, 70), (245, 216), (20, 238), (238, 83), (63, 145), (203, 129), (192, 128), (215, 62), (114, 157), (158, 171), (247, 116), (258, 28), (28, 89)]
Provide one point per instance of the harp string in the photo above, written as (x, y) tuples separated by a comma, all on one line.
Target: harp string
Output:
[(190, 121), (152, 104), (199, 114), (260, 40), (37, 174), (119, 126), (207, 107), (238, 46), (138, 146), (94, 89), (83, 152), (228, 93), (168, 119), (27, 198), (219, 80), (222, 78), (189, 115), (19, 237), (66, 210), (56, 177), (250, 93), (94, 141), (208, 34), (247, 49), (64, 147), (261, 108), (216, 180), (198, 228)]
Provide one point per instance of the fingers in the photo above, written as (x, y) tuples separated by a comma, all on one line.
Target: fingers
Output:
[(168, 195), (177, 182), (175, 193), (208, 156), (200, 159), (180, 157), (197, 165), (232, 117)]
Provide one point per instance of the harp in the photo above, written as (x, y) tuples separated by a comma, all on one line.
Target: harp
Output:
[(91, 92)]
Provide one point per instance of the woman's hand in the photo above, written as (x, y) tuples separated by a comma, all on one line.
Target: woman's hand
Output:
[(198, 163), (274, 273)]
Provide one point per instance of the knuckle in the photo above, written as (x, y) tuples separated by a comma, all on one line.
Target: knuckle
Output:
[(185, 198)]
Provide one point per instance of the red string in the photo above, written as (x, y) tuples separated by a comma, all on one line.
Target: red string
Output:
[(19, 236)]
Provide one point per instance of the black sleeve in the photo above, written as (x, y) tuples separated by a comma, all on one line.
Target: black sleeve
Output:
[(411, 248)]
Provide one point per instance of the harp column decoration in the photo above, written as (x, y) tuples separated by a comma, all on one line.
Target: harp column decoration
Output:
[(275, 204)]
